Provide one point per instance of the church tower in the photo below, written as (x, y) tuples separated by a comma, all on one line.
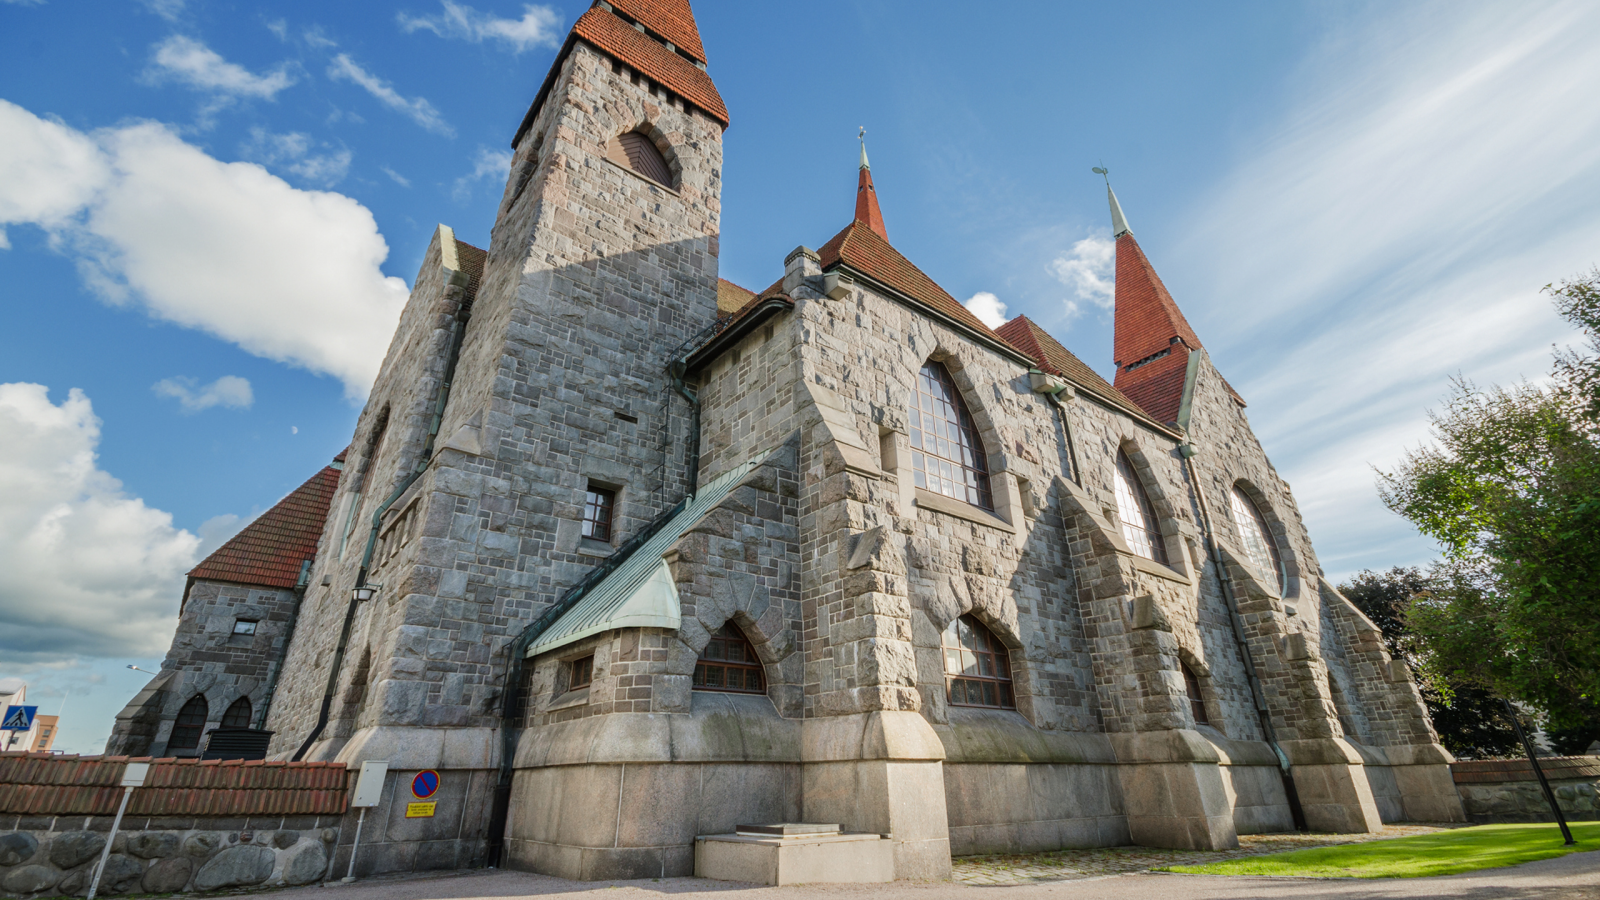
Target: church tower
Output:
[(526, 422)]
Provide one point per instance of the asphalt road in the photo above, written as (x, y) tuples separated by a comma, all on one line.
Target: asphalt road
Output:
[(1572, 877)]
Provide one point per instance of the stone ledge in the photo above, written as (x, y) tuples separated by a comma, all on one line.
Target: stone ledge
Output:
[(950, 506)]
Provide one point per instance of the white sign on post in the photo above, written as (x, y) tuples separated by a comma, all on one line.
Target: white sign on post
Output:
[(369, 786), (133, 774)]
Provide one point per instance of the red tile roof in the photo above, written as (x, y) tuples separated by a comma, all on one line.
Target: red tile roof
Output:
[(270, 550), (1025, 334), (869, 253), (613, 36), (672, 19), (732, 298), (36, 784)]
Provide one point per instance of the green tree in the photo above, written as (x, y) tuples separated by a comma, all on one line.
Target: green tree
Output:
[(1511, 490), (1471, 722)]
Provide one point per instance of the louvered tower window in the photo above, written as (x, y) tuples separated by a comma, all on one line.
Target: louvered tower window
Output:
[(1138, 516), (190, 723), (634, 150), (977, 667), (238, 714), (946, 454), (1257, 538)]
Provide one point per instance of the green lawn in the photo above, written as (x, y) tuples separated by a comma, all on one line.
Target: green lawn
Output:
[(1441, 853)]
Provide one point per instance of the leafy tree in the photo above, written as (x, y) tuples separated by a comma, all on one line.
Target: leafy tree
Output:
[(1511, 490), (1471, 722)]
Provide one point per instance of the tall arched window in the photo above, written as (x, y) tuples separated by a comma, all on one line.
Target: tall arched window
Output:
[(729, 663), (1197, 701), (977, 667), (238, 714), (1257, 538), (636, 151), (946, 454), (1138, 516), (190, 723)]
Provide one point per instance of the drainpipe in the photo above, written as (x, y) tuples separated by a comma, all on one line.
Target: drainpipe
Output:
[(676, 369), (1054, 388), (1229, 598), (288, 638), (458, 327)]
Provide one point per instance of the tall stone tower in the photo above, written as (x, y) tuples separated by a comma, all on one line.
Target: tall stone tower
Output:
[(525, 423)]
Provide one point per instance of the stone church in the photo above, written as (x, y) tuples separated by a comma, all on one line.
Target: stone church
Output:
[(629, 554)]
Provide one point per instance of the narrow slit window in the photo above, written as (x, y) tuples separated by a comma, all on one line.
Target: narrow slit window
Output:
[(1257, 538), (1138, 515), (729, 663), (977, 667), (599, 509), (1197, 701), (946, 453), (190, 723)]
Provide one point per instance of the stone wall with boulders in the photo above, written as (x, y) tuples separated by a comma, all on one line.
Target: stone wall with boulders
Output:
[(55, 856), (1506, 790)]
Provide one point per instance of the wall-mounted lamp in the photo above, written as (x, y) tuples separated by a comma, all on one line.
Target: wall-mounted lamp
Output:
[(365, 592)]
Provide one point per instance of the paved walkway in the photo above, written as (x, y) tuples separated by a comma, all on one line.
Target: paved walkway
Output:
[(1065, 865), (1572, 877)]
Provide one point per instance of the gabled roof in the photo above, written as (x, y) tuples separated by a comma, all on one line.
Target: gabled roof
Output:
[(732, 298), (673, 20), (1025, 334), (270, 550), (611, 34), (867, 252)]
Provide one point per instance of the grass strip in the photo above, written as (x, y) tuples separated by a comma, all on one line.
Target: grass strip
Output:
[(1442, 853)]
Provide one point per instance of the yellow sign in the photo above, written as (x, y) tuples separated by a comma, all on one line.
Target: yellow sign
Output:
[(420, 810)]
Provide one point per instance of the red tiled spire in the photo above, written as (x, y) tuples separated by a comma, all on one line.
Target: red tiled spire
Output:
[(1153, 339), (673, 20), (867, 211)]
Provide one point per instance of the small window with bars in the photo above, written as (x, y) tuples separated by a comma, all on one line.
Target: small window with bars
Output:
[(599, 511), (729, 663), (191, 722), (1137, 513), (946, 453), (976, 665), (237, 714), (1197, 700)]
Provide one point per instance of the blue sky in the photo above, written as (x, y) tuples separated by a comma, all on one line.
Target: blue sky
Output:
[(211, 211)]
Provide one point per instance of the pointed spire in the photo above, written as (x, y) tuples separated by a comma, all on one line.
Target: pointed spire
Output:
[(1119, 222), (867, 211)]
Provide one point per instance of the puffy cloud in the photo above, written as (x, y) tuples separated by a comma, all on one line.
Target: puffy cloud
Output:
[(492, 164), (229, 391), (224, 248), (186, 60), (537, 27), (1090, 269), (418, 109), (84, 568), (987, 307)]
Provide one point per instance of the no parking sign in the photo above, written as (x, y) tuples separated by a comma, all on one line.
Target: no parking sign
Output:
[(423, 785)]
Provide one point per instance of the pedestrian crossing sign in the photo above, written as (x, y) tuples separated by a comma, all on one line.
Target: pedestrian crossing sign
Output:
[(18, 718)]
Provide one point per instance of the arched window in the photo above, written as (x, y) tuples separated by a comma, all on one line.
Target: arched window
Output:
[(729, 663), (946, 455), (636, 151), (1257, 538), (190, 723), (976, 666), (238, 714), (1197, 701), (1138, 516)]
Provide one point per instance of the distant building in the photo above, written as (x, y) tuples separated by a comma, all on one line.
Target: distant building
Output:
[(47, 727), (237, 613)]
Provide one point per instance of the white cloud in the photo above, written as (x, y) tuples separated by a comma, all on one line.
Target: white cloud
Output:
[(24, 2), (1090, 269), (229, 391), (279, 27), (292, 151), (84, 567), (166, 9), (489, 163), (1438, 166), (987, 307), (398, 178), (538, 26), (183, 59), (418, 109), (316, 38), (224, 248)]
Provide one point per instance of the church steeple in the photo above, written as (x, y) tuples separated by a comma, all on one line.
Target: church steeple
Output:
[(867, 211), (1153, 339)]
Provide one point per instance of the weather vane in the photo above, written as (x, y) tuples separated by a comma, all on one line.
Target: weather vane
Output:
[(1103, 172)]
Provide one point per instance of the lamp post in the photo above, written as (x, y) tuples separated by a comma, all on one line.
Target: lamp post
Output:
[(1533, 760)]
